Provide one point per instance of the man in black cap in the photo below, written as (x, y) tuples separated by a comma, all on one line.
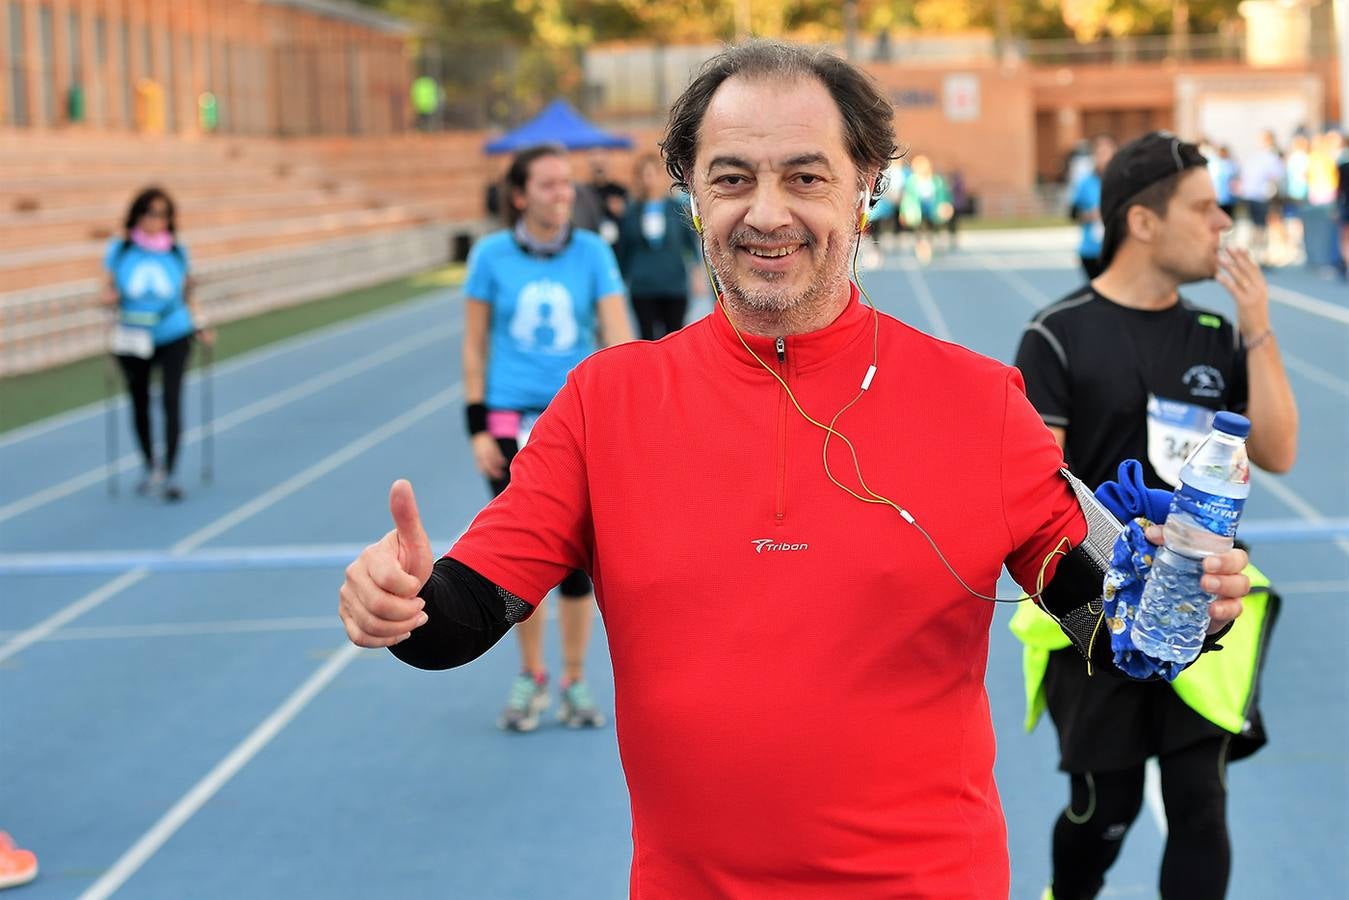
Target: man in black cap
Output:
[(1125, 368)]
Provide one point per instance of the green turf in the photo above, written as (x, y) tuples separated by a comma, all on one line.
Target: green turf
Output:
[(28, 398)]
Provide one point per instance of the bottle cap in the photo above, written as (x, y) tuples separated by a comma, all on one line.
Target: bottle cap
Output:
[(1232, 423)]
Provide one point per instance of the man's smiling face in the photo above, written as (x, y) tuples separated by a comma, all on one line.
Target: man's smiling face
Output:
[(778, 194)]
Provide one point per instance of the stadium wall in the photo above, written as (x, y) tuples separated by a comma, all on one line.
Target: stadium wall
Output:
[(251, 67)]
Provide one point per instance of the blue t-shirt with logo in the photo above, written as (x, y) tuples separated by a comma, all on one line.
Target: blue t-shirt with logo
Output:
[(543, 313), (1087, 197), (150, 287)]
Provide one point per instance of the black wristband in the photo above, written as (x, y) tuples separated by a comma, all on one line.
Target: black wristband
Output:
[(475, 417)]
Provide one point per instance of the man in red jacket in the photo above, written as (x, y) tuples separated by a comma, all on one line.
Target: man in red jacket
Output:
[(795, 621)]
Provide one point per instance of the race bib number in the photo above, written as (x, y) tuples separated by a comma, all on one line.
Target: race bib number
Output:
[(128, 340), (1174, 430)]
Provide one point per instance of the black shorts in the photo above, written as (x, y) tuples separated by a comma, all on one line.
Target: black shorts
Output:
[(577, 583), (1107, 723)]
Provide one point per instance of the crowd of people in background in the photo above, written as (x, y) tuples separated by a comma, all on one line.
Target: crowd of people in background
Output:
[(1289, 201)]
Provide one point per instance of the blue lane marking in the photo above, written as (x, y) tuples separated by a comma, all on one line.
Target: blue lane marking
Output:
[(323, 556)]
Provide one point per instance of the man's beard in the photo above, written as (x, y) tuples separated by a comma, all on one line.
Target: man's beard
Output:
[(1190, 271), (766, 299)]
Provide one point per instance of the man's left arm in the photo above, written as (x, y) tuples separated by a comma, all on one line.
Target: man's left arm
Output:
[(1270, 405), (1062, 539)]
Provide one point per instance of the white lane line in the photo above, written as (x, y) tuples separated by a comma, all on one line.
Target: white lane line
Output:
[(239, 514), (1294, 502), (243, 360), (1309, 304), (1049, 262), (1301, 588), (306, 388), (187, 806), (1316, 374), (1028, 292), (191, 629), (929, 306), (151, 841), (207, 559), (43, 629), (1152, 792)]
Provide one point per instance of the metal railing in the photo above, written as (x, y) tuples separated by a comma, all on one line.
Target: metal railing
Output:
[(42, 327)]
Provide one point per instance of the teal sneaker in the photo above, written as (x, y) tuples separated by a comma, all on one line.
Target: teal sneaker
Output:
[(528, 698), (578, 707)]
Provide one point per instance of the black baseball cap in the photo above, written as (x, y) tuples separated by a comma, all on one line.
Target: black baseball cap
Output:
[(1135, 167)]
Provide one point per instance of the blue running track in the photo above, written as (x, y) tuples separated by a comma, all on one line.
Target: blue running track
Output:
[(181, 715)]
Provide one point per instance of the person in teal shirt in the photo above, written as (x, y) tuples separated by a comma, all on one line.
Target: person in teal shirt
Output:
[(540, 296), (149, 283), (656, 244)]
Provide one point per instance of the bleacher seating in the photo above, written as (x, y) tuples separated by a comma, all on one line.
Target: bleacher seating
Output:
[(268, 222)]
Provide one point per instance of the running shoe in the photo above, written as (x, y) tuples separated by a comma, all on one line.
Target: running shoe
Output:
[(528, 698), (16, 867), (150, 481), (578, 708), (173, 492)]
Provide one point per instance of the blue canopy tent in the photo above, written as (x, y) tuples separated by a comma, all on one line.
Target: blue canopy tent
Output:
[(560, 124)]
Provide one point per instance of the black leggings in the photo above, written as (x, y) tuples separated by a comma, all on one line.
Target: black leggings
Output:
[(1198, 858), (172, 361), (576, 586), (659, 314)]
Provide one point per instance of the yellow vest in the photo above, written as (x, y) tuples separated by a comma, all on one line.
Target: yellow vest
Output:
[(1219, 686)]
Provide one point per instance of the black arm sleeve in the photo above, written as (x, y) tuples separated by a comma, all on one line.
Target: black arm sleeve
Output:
[(1073, 597), (467, 615)]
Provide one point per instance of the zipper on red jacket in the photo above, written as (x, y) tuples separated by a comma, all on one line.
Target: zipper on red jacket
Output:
[(780, 497)]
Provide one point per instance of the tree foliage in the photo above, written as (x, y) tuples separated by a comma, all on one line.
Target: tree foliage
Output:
[(497, 58), (574, 23)]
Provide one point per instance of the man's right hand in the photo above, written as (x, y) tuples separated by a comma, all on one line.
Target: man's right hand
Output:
[(487, 454), (378, 601)]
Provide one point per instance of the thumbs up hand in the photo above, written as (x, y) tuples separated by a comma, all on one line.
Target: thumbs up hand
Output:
[(378, 600)]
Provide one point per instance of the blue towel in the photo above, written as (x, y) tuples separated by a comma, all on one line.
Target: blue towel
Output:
[(1131, 500)]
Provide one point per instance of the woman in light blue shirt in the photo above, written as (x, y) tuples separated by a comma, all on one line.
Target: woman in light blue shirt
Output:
[(540, 297), (150, 286)]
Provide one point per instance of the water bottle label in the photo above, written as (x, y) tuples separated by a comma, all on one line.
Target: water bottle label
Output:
[(1214, 512)]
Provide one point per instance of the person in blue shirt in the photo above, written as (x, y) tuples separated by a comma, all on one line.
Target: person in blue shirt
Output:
[(656, 244), (1223, 170), (150, 286), (538, 297), (1086, 206)]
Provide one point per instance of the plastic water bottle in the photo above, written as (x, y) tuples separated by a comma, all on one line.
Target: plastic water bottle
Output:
[(1214, 483)]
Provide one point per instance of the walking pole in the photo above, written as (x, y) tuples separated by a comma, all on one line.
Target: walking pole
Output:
[(110, 420), (207, 414)]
